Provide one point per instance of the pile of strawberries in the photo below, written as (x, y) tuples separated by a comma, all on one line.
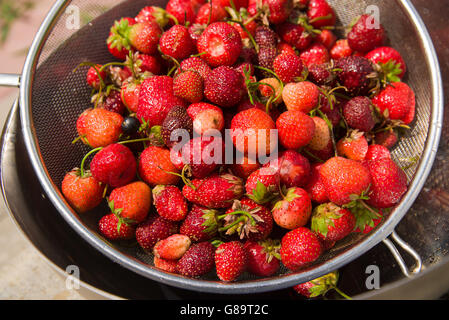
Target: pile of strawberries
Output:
[(245, 66)]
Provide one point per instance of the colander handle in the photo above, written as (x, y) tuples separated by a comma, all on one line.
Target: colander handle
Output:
[(397, 256), (9, 80)]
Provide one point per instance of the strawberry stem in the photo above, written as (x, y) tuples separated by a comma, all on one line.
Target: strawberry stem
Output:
[(344, 295), (85, 158)]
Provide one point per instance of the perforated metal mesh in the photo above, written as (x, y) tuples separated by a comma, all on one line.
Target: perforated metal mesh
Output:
[(59, 95)]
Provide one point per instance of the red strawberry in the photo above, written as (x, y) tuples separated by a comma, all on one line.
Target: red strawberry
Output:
[(377, 152), (170, 203), (263, 185), (215, 192), (341, 49), (263, 257), (131, 202), (344, 179), (266, 57), (321, 155), (218, 13), (296, 129), (156, 99), (300, 248), (315, 54), (164, 264), (114, 165), (196, 64), (117, 42), (155, 14), (251, 132), (99, 127), (327, 38), (315, 187), (237, 3), (355, 73), (390, 60), (319, 286), (395, 101), (387, 138), (285, 48), (389, 183), (130, 95), (301, 96), (322, 135), (322, 74), (359, 114), (197, 261), (370, 225), (278, 10), (155, 165), (294, 169), (293, 210), (354, 146), (93, 76), (288, 67), (320, 14), (109, 228), (145, 37), (295, 35), (265, 37), (200, 224), (224, 87), (366, 35), (176, 43), (244, 167), (331, 222), (188, 85), (248, 220), (205, 117), (230, 260), (83, 193), (113, 102), (221, 43), (183, 10), (154, 229), (172, 248)]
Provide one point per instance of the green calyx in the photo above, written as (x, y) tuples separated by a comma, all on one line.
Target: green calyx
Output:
[(117, 213), (390, 72), (210, 221), (119, 37), (262, 195), (364, 214), (241, 220), (271, 248), (323, 217)]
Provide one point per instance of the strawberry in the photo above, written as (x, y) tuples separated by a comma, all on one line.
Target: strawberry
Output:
[(176, 43), (244, 167), (196, 64), (237, 3), (321, 136), (319, 286), (230, 260), (284, 47), (113, 102), (377, 152), (266, 90), (183, 10), (390, 60), (83, 193), (130, 95), (265, 37), (296, 129), (110, 227), (154, 229), (218, 13), (389, 183), (155, 165), (172, 248), (99, 127), (224, 87), (200, 224), (263, 185), (214, 192), (395, 101), (263, 257), (145, 37), (316, 54), (294, 169), (93, 76), (131, 202), (170, 203), (278, 10), (295, 35), (355, 73), (321, 14), (266, 57), (197, 261), (299, 248), (117, 42), (176, 119), (341, 49), (221, 44), (327, 38), (153, 14), (387, 138), (331, 222), (322, 74), (205, 117), (320, 155), (165, 265), (114, 165), (344, 179), (315, 187), (156, 99), (248, 220), (366, 34), (293, 210), (359, 114), (368, 227), (354, 146), (188, 85), (288, 67), (251, 131), (301, 96)]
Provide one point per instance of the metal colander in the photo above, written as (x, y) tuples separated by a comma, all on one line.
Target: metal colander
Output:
[(52, 96)]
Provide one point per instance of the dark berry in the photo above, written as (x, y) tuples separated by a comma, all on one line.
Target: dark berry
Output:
[(130, 125)]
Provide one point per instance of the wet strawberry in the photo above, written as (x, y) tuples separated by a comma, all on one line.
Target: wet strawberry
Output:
[(109, 228), (265, 37), (182, 10), (266, 57), (319, 286), (295, 35), (165, 265), (359, 114), (117, 42), (176, 43), (200, 224), (294, 210), (288, 67), (155, 165), (224, 87), (170, 203), (188, 85), (172, 248), (300, 248), (331, 222), (301, 96), (154, 229), (197, 261), (263, 257), (341, 49), (377, 152), (315, 54), (230, 260), (366, 35), (322, 75), (155, 14), (320, 14), (387, 138), (93, 76), (244, 166), (354, 146), (145, 37), (355, 73), (130, 95), (390, 60), (322, 135), (278, 11), (315, 187), (205, 16), (295, 128), (327, 38), (177, 123), (395, 101), (205, 117), (294, 169), (196, 64), (113, 102), (263, 185)]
